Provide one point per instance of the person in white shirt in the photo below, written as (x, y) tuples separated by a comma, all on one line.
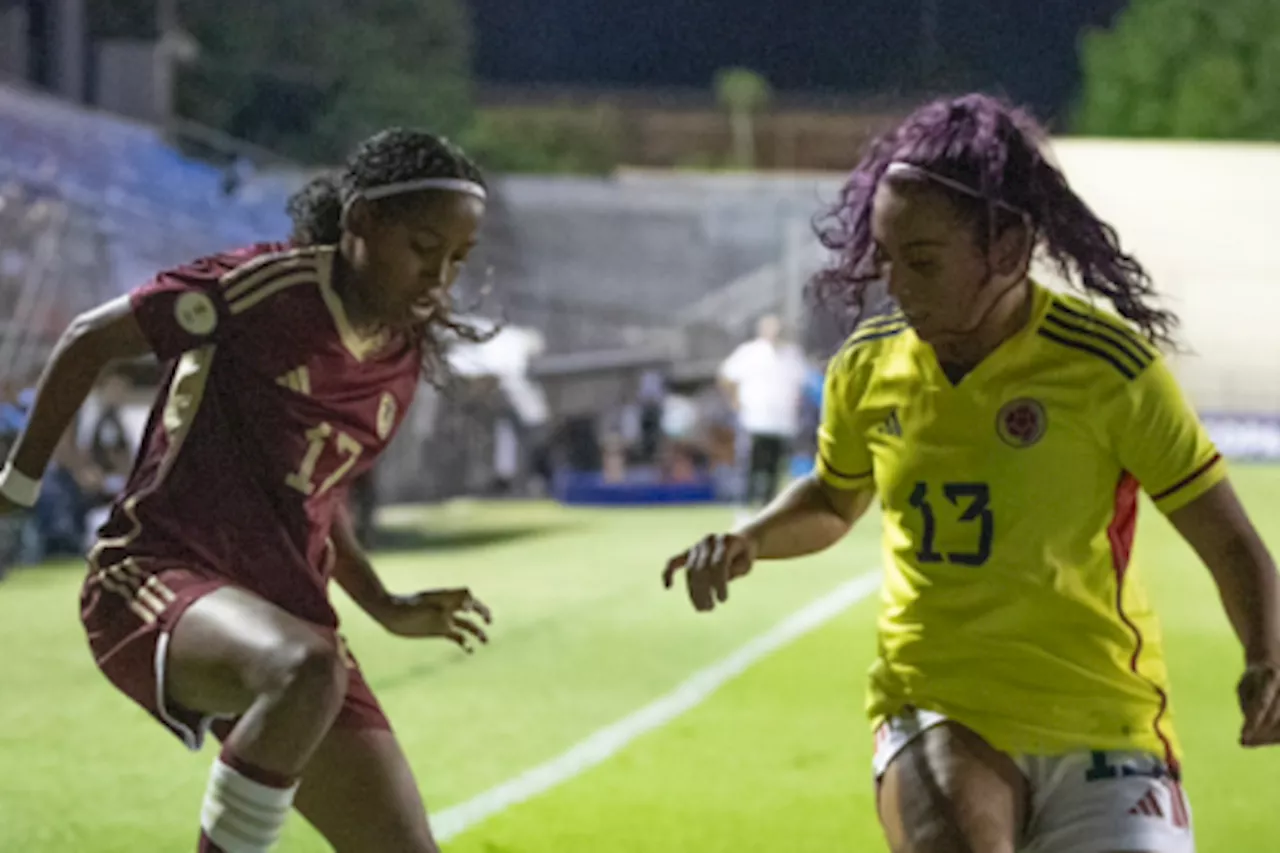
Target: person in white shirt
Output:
[(764, 379), (520, 452)]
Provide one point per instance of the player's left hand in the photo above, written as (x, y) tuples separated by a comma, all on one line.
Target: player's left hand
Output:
[(1259, 693), (438, 613)]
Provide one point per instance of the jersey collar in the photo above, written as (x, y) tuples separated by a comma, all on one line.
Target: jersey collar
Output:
[(360, 346), (1009, 350)]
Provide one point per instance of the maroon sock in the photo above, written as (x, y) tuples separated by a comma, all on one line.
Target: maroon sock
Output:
[(270, 778)]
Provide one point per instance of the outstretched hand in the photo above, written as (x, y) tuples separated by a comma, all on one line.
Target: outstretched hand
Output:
[(438, 613), (709, 566)]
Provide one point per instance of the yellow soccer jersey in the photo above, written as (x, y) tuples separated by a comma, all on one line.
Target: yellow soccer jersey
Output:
[(1009, 503)]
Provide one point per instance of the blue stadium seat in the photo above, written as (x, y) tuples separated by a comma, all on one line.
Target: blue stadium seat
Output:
[(158, 206)]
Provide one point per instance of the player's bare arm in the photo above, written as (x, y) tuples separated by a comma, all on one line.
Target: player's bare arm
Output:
[(1217, 527), (810, 516), (443, 613), (94, 340)]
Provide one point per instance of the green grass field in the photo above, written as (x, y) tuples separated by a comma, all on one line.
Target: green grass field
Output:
[(777, 760)]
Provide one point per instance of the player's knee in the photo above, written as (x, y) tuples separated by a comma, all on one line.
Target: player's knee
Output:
[(310, 670)]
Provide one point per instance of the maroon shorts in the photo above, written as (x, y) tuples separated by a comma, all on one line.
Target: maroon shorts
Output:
[(129, 612)]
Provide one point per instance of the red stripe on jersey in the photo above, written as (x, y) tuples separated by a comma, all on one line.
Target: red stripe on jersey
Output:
[(1189, 479), (1124, 522), (1120, 532)]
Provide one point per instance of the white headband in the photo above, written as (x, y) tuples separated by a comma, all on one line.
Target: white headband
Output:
[(458, 185), (901, 167)]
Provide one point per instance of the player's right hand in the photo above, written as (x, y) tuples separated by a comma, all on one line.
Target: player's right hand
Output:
[(710, 565), (1259, 694)]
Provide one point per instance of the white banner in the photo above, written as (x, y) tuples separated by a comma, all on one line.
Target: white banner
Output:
[(1255, 437)]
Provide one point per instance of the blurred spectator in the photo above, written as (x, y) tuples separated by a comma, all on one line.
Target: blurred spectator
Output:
[(108, 443), (613, 463), (110, 447), (236, 174), (13, 416), (12, 527), (521, 461), (20, 537), (764, 378), (683, 431), (363, 503), (652, 400), (66, 496), (811, 409)]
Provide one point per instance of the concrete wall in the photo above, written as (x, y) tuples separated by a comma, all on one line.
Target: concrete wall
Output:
[(1204, 220), (1203, 217)]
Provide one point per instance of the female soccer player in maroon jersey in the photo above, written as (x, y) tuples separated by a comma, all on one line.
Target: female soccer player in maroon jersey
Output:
[(1019, 694), (289, 368)]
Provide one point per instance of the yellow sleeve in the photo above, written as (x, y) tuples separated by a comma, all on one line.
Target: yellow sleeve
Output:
[(844, 460), (1160, 440)]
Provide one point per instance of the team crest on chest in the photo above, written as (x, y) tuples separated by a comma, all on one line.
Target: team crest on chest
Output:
[(387, 410), (1022, 422)]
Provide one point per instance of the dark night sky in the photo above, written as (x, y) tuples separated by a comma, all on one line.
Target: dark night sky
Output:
[(1026, 47)]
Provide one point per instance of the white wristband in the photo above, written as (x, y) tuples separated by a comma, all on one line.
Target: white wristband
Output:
[(17, 487)]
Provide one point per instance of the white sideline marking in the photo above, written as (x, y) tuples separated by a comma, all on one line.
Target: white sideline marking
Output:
[(608, 741)]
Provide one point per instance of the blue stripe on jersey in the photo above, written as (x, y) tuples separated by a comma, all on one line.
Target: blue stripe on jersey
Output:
[(1101, 353), (1114, 325), (1140, 359)]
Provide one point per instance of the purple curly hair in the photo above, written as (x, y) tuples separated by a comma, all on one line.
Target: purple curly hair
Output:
[(995, 151)]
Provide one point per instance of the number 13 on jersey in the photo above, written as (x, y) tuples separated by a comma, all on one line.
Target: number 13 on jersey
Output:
[(972, 508), (317, 438)]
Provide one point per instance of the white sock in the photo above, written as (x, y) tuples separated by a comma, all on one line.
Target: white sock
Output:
[(241, 815)]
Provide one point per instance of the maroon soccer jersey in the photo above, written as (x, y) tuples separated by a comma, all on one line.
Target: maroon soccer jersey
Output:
[(272, 405)]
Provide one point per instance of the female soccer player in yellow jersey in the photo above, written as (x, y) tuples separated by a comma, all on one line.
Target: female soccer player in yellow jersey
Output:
[(1019, 693)]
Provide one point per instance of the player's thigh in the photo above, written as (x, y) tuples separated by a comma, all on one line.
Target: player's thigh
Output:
[(948, 791), (232, 646), (359, 792)]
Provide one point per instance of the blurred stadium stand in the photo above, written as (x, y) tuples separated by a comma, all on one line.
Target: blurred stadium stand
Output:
[(52, 256), (619, 274), (93, 204), (155, 205)]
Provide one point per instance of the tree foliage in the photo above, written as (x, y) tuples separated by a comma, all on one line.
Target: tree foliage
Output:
[(743, 94), (1198, 69), (310, 77), (545, 141)]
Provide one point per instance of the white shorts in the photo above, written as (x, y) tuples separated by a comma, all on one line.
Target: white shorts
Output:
[(1082, 802)]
